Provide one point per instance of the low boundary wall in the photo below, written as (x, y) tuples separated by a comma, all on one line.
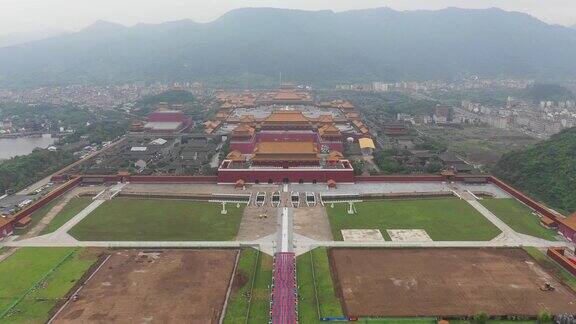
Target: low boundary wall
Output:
[(540, 208), (201, 197), (173, 179), (400, 178), (148, 179), (47, 199), (407, 195)]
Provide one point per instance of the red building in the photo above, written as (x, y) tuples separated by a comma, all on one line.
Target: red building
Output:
[(284, 162), (6, 227), (286, 126), (166, 121), (285, 154)]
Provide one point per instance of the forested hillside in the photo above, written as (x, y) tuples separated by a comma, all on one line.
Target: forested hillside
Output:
[(547, 171), (252, 46), (21, 171)]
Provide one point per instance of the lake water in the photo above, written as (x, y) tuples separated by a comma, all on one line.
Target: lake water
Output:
[(10, 147)]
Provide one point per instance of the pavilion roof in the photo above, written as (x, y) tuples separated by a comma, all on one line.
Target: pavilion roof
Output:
[(243, 129), (325, 119), (335, 156), (288, 95), (329, 129), (235, 156), (283, 116)]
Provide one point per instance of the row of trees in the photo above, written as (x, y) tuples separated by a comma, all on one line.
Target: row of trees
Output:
[(389, 162), (18, 172)]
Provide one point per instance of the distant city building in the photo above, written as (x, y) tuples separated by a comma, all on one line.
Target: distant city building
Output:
[(442, 115)]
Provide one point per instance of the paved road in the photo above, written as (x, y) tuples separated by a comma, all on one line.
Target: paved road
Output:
[(543, 244), (304, 242), (45, 181)]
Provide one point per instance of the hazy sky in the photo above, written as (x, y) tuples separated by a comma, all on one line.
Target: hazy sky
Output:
[(32, 15)]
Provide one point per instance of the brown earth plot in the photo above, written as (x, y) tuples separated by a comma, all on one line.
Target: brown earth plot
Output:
[(155, 286), (445, 282)]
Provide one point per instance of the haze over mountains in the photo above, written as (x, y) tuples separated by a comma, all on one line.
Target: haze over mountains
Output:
[(27, 37), (316, 46)]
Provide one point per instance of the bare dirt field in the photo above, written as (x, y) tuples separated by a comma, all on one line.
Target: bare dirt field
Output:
[(257, 222), (444, 282), (312, 222), (155, 286)]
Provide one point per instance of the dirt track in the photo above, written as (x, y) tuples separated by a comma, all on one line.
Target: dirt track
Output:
[(169, 286), (444, 282)]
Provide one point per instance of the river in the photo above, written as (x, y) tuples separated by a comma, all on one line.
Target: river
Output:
[(10, 147)]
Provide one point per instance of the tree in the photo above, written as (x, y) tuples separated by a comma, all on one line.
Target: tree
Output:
[(546, 170), (481, 318), (544, 317), (433, 167), (386, 162), (358, 166)]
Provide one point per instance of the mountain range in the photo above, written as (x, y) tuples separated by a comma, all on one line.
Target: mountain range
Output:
[(27, 37), (257, 44)]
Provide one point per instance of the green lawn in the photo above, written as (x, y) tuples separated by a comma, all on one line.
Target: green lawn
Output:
[(125, 219), (238, 303), (37, 216), (329, 304), (27, 274), (73, 207), (260, 305), (518, 216), (445, 219)]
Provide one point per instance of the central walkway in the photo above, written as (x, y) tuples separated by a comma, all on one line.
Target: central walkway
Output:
[(284, 299)]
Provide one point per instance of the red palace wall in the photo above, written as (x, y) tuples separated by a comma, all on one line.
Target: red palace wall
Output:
[(172, 179), (567, 232), (243, 147), (6, 230), (525, 199), (278, 176), (558, 256)]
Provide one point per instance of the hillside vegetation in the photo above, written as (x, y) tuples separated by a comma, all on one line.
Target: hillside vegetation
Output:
[(250, 47), (171, 97), (546, 171)]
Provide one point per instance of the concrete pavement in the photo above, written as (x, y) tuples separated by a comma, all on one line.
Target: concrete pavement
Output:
[(285, 239)]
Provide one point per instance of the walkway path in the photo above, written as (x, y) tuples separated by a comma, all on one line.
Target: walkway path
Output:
[(63, 201), (509, 235), (284, 234), (284, 291), (293, 242)]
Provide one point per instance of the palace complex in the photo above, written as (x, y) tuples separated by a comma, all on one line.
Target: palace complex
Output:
[(284, 136)]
